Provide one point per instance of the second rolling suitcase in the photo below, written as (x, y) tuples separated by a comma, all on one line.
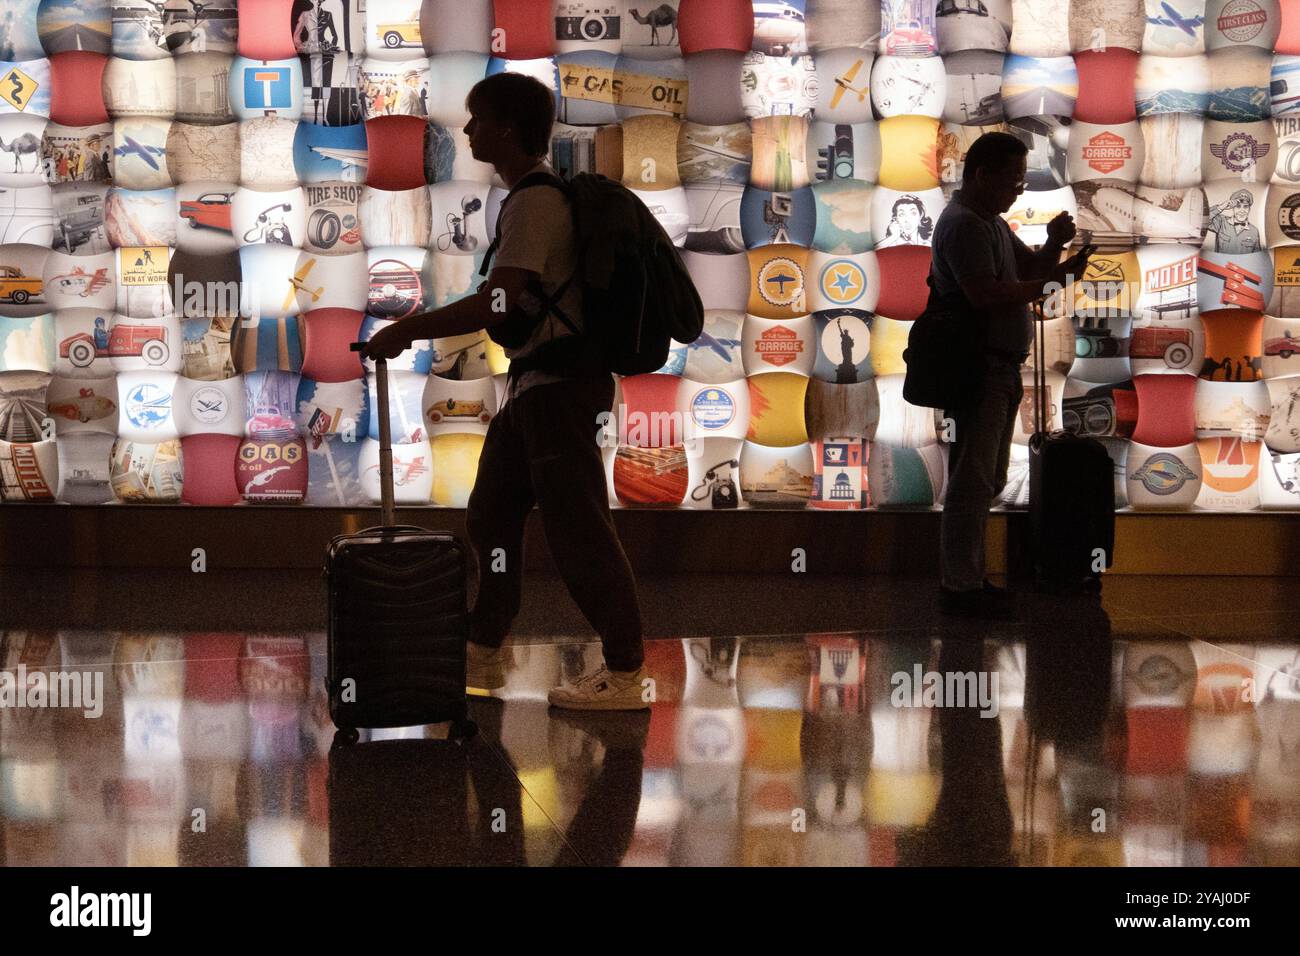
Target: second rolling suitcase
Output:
[(1071, 496)]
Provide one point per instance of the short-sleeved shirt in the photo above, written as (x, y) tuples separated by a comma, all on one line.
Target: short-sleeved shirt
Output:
[(536, 229), (971, 244)]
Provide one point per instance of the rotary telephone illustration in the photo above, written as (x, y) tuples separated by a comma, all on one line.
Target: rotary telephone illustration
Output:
[(720, 487), (268, 229)]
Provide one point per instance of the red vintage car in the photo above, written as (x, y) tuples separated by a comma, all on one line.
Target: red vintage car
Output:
[(144, 341), (1172, 345), (909, 40), (209, 211), (269, 422), (1284, 345)]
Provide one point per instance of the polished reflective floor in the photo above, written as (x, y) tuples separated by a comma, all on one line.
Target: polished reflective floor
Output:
[(1073, 736)]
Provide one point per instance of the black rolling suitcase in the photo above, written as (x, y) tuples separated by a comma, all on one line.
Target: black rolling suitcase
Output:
[(398, 617), (1071, 496)]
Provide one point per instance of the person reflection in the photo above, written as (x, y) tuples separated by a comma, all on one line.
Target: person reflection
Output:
[(499, 828), (971, 824), (601, 830), (1067, 705)]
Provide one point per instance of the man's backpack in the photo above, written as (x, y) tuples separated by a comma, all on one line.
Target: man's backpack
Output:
[(636, 293)]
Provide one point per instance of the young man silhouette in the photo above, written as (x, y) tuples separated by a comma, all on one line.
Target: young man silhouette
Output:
[(542, 445)]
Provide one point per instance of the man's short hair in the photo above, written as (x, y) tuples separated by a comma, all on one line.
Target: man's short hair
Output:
[(519, 102), (992, 151)]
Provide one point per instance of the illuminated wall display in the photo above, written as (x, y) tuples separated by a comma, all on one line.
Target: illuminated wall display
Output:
[(201, 205)]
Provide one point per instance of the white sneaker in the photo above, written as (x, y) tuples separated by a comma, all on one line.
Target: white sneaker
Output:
[(604, 689), (485, 667)]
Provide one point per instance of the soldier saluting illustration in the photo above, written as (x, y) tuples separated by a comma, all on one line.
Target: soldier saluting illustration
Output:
[(1229, 223)]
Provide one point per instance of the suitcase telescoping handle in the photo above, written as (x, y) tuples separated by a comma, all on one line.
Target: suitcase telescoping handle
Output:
[(389, 512), (1040, 372)]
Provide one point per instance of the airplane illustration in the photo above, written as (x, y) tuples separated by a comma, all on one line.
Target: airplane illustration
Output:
[(348, 157), (781, 280), (715, 150), (721, 346), (296, 285), (207, 406), (405, 472), (149, 411), (777, 25), (844, 84), (79, 282), (146, 153), (1175, 19)]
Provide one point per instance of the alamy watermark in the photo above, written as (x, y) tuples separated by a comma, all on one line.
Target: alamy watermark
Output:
[(39, 689), (920, 688), (133, 911)]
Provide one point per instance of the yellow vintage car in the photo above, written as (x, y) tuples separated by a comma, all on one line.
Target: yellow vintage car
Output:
[(397, 35), (1030, 216), (16, 287)]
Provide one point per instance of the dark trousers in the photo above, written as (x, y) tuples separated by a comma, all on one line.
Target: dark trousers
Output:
[(977, 471), (541, 448)]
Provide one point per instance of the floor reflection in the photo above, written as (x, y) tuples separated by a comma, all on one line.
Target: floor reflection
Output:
[(1053, 744)]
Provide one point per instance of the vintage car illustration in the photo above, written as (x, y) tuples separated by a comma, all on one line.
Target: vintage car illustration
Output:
[(449, 408), (18, 288), (909, 39), (1019, 218), (1285, 345), (1172, 345), (397, 35), (208, 211), (268, 422), (122, 341)]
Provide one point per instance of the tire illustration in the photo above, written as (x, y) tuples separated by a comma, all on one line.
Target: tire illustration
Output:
[(81, 353), (323, 229), (1178, 354), (154, 352)]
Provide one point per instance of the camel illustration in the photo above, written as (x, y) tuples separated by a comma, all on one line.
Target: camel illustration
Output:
[(25, 143), (1252, 370), (1209, 367), (661, 16)]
